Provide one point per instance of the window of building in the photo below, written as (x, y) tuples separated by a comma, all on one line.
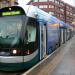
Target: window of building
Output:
[(3, 3), (51, 6), (43, 6), (40, 6), (61, 3), (57, 15), (57, 2), (51, 0), (43, 0), (51, 13), (62, 10), (61, 15)]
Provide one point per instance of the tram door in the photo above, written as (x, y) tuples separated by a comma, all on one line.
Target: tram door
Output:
[(62, 36), (42, 41), (65, 35)]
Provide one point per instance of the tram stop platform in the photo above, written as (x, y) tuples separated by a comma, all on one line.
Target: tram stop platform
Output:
[(61, 62)]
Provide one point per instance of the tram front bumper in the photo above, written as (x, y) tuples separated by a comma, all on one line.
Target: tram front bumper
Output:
[(15, 63), (11, 59), (11, 63)]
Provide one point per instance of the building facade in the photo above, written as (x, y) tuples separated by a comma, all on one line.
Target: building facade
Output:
[(69, 13), (6, 3), (57, 8)]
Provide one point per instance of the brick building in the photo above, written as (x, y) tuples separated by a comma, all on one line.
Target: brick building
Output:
[(58, 8), (5, 3)]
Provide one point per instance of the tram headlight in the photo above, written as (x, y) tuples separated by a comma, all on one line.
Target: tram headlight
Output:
[(14, 51)]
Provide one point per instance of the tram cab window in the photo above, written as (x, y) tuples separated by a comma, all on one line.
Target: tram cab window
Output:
[(31, 35), (10, 28), (31, 31)]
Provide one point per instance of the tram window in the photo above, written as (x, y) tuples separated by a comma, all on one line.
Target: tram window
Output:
[(30, 35), (10, 28)]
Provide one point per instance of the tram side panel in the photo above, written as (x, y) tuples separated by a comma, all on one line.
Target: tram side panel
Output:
[(52, 37)]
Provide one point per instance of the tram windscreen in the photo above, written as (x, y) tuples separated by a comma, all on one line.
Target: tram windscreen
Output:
[(10, 28), (11, 20)]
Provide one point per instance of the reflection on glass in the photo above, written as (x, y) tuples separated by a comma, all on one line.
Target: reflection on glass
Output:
[(30, 35), (10, 28)]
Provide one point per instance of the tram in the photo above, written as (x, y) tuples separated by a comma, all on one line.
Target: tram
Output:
[(28, 35)]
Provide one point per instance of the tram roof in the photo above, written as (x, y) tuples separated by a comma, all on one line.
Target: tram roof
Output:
[(33, 11)]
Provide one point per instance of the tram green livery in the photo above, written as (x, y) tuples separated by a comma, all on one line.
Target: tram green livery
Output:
[(27, 35)]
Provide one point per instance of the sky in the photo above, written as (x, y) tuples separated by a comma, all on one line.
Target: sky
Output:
[(71, 2), (23, 1)]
